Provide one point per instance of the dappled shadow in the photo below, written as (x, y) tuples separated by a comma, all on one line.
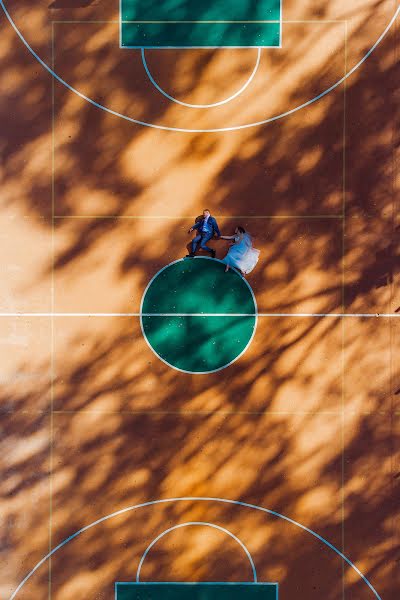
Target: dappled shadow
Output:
[(305, 422), (72, 3)]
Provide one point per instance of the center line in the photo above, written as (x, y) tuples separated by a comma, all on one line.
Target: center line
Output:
[(138, 314)]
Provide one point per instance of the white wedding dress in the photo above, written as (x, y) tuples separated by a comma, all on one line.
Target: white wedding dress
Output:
[(242, 255)]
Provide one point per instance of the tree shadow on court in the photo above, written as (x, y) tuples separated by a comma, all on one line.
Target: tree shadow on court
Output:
[(72, 3), (304, 423)]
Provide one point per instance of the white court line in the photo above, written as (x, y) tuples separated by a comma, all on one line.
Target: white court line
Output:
[(139, 314), (190, 105), (198, 523), (182, 217), (93, 22)]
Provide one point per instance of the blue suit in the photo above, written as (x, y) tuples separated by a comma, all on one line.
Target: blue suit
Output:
[(206, 232)]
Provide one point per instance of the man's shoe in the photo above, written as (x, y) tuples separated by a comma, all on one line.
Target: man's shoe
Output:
[(213, 253), (190, 255)]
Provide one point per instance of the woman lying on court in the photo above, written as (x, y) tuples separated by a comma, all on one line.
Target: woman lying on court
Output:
[(241, 254)]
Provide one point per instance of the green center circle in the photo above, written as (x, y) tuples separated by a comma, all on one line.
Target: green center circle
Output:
[(195, 317)]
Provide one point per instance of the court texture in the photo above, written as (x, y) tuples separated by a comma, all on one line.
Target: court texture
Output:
[(169, 430)]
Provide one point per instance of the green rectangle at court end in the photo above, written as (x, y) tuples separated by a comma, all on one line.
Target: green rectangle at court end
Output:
[(205, 24), (196, 591)]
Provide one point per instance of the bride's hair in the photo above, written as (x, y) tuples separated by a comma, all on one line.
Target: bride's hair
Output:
[(241, 229)]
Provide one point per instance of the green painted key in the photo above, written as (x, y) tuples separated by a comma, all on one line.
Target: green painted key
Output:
[(205, 24), (196, 591)]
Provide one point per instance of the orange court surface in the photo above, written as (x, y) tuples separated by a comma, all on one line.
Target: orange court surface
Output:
[(281, 467)]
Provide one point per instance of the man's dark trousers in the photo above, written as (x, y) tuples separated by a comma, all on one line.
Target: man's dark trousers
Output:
[(203, 238)]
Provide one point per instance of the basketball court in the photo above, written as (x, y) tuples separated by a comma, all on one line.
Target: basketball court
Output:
[(169, 430)]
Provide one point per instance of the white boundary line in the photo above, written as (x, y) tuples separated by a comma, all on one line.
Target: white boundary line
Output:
[(43, 315), (186, 217)]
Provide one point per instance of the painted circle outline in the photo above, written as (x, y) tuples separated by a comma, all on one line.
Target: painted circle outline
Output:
[(197, 523), (194, 499), (173, 366), (187, 104), (213, 130)]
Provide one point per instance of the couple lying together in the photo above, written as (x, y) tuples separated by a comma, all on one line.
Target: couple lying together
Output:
[(241, 255)]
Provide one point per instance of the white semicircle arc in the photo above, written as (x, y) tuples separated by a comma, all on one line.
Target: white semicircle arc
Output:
[(212, 105), (197, 524)]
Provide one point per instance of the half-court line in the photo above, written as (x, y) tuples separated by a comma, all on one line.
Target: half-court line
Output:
[(199, 314)]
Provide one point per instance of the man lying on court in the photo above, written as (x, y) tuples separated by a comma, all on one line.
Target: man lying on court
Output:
[(207, 228)]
